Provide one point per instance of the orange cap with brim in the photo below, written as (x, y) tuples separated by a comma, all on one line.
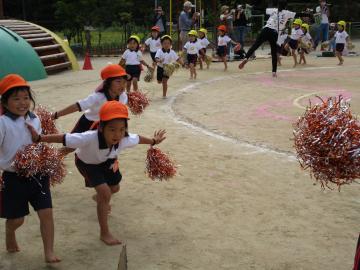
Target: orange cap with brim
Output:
[(112, 71), (113, 110), (11, 81), (222, 28), (155, 28)]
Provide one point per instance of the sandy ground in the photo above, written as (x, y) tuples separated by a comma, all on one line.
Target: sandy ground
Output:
[(240, 200)]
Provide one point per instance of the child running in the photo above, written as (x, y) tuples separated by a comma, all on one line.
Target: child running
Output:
[(280, 45), (204, 43), (165, 56), (154, 43), (341, 38), (223, 40), (132, 59), (306, 43), (296, 34), (18, 191), (96, 156), (192, 48)]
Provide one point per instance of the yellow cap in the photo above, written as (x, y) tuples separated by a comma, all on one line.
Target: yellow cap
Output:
[(305, 25), (166, 37), (193, 33), (203, 30), (135, 37), (298, 22), (342, 23)]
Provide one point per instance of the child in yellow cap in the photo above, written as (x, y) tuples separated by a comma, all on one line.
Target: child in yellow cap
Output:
[(192, 48), (341, 38), (204, 43), (96, 156), (296, 34), (306, 43)]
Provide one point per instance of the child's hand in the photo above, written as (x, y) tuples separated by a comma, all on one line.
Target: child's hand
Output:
[(159, 136), (34, 135)]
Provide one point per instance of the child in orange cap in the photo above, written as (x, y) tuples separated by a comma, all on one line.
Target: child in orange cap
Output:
[(223, 41), (96, 156), (18, 191)]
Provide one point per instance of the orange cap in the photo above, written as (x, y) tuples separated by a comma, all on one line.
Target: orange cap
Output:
[(112, 71), (155, 28), (222, 28), (113, 110), (11, 81)]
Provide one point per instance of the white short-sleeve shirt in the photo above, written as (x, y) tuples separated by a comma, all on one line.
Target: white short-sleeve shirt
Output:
[(281, 39), (132, 57), (204, 42), (296, 34), (306, 38), (91, 147), (92, 104), (223, 40), (167, 57), (278, 20), (340, 37), (154, 44), (192, 47), (14, 135)]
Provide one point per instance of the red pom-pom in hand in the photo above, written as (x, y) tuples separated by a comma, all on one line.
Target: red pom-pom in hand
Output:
[(47, 123), (327, 141), (40, 159), (137, 102), (159, 165)]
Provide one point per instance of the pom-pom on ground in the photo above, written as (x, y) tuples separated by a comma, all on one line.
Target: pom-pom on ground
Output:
[(137, 102), (158, 165), (327, 142), (40, 159), (47, 123)]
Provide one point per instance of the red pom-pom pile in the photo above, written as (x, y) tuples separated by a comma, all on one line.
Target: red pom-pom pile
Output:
[(47, 123), (137, 102), (327, 141), (159, 165), (40, 159)]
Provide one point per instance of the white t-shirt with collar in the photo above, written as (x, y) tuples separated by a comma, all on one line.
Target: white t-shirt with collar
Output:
[(340, 37), (14, 135), (154, 44), (281, 39), (283, 17), (204, 42), (92, 104), (192, 47), (296, 34), (91, 147), (132, 58), (306, 38), (223, 40), (166, 57)]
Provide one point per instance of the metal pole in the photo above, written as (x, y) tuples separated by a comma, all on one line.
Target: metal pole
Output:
[(171, 22)]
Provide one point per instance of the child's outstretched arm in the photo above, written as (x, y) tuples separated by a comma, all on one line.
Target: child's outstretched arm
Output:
[(144, 63), (68, 110), (36, 137), (180, 61), (159, 136), (122, 62)]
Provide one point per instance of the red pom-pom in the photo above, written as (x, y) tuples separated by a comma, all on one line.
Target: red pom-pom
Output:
[(137, 102), (40, 159), (47, 123), (327, 141), (237, 47), (159, 165)]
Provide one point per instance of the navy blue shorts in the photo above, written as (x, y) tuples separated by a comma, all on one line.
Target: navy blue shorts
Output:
[(340, 47), (221, 51), (293, 44), (192, 58), (160, 74), (19, 191), (82, 125), (97, 174), (153, 56), (134, 71)]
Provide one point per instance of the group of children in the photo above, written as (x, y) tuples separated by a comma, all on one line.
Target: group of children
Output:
[(300, 41), (99, 137)]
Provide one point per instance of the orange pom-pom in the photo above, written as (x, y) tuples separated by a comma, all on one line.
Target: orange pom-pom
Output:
[(137, 102), (159, 165), (47, 123)]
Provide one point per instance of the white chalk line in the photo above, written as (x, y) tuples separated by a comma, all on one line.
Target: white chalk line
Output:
[(198, 127)]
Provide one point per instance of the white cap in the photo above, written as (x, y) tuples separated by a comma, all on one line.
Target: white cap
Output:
[(188, 4)]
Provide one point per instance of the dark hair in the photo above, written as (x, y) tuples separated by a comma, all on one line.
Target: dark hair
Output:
[(104, 123), (138, 45), (106, 87), (5, 97), (165, 38), (282, 4)]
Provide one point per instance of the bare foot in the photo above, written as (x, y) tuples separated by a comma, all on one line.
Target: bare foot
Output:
[(11, 244), (274, 75), (294, 66), (341, 63), (94, 197), (52, 258), (110, 240), (242, 64)]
